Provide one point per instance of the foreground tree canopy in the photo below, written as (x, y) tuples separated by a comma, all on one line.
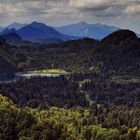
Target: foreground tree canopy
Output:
[(56, 123)]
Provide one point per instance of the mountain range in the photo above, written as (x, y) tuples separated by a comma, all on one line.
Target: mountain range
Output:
[(35, 32), (83, 29), (41, 33)]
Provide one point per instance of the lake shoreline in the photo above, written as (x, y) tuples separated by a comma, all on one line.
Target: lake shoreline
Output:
[(27, 75), (30, 74)]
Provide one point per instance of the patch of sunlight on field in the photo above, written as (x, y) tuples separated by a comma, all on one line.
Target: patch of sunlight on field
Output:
[(47, 71)]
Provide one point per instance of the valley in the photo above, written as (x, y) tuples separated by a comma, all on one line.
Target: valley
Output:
[(78, 89), (69, 69)]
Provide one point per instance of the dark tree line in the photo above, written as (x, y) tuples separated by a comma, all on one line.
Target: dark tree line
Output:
[(45, 92)]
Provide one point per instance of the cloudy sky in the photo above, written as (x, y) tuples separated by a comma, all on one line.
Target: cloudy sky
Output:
[(120, 13)]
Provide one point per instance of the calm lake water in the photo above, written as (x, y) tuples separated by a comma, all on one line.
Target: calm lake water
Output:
[(20, 75), (28, 75)]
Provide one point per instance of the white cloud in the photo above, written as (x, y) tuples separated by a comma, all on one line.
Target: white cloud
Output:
[(132, 9), (91, 3)]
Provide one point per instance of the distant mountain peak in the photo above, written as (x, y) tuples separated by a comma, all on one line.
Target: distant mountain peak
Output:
[(83, 23), (39, 31), (16, 25), (36, 24)]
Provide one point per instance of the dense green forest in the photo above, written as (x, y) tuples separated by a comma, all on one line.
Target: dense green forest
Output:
[(96, 123), (78, 123), (98, 100)]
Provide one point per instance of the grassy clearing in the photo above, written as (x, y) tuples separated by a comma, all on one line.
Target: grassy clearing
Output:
[(91, 102), (125, 79), (50, 71)]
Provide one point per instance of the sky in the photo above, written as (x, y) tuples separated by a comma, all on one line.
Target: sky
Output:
[(120, 13)]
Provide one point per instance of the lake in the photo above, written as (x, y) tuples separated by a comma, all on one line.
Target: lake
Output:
[(21, 75), (29, 75)]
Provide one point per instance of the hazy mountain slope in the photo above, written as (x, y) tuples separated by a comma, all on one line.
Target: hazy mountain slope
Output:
[(7, 31), (1, 28), (83, 29), (16, 26), (12, 38)]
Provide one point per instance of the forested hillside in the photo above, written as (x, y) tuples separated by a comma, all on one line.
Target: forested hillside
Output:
[(117, 53), (99, 99)]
